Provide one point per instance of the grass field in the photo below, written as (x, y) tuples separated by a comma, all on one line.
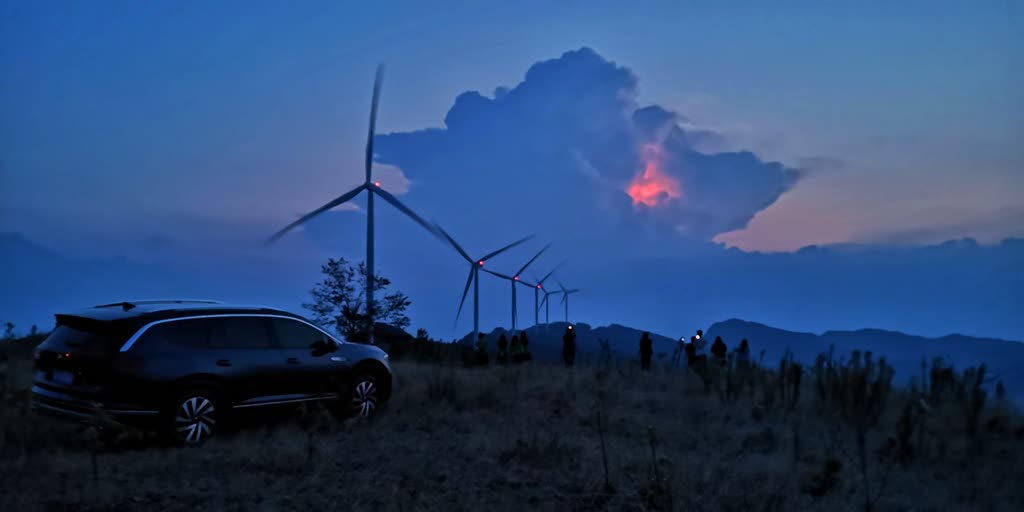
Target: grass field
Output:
[(541, 437)]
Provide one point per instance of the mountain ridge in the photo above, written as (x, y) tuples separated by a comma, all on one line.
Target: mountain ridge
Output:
[(905, 352)]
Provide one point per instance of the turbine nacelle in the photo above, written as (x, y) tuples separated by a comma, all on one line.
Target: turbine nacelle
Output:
[(481, 263)]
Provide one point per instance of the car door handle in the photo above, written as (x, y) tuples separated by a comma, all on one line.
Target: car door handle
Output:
[(293, 360), (223, 362)]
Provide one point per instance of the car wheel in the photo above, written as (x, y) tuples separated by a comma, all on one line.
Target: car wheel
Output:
[(194, 416), (365, 398)]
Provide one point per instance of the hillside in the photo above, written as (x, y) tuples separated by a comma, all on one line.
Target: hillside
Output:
[(546, 340), (534, 437), (1005, 359), (905, 352)]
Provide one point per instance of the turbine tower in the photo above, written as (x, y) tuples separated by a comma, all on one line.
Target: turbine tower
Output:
[(372, 188), (515, 279), (565, 299), (474, 276)]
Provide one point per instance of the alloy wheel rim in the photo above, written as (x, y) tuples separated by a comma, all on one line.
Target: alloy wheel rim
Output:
[(195, 420), (364, 398)]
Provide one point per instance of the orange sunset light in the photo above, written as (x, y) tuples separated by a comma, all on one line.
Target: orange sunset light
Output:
[(653, 186)]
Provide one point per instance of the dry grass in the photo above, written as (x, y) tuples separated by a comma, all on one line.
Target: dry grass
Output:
[(530, 438)]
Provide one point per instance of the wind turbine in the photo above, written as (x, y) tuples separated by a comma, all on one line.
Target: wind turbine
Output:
[(474, 276), (513, 280), (537, 288), (547, 305), (565, 299), (371, 187)]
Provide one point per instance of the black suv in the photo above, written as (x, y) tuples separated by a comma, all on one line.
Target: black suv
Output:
[(184, 367)]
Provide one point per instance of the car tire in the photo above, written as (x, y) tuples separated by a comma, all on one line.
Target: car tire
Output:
[(193, 417), (365, 395)]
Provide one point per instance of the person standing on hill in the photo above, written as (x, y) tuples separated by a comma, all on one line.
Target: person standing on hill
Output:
[(503, 349), (719, 351), (743, 355), (700, 346), (515, 351), (526, 346), (700, 358), (569, 346), (691, 351), (646, 350), (742, 365), (482, 358)]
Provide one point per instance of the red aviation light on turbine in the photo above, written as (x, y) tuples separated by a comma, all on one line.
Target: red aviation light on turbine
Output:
[(538, 286), (376, 184), (481, 263), (516, 278)]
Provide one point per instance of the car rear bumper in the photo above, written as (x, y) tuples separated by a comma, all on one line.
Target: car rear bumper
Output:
[(53, 403)]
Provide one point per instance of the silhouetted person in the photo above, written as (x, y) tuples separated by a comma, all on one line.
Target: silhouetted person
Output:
[(646, 350), (743, 355), (700, 346), (699, 363), (691, 351), (526, 346), (515, 351), (719, 350), (678, 354), (482, 358), (503, 349), (569, 346)]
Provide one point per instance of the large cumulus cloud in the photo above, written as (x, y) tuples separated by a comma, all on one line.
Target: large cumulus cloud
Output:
[(568, 141)]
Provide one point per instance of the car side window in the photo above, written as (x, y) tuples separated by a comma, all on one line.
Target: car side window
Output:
[(295, 334), (241, 332), (192, 333)]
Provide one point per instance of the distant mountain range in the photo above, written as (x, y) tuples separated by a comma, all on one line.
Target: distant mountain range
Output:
[(905, 352), (37, 282)]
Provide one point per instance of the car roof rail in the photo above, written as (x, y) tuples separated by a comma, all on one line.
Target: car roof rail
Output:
[(126, 305)]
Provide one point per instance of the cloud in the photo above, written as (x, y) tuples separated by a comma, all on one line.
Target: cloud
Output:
[(571, 137)]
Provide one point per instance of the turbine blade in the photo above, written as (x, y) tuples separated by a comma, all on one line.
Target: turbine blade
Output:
[(503, 276), (454, 243), (552, 272), (542, 301), (373, 119), (465, 292), (534, 258), (562, 286), (565, 296), (405, 209), (507, 247), (340, 199)]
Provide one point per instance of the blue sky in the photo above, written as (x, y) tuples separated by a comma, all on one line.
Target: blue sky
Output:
[(104, 101), (212, 125)]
